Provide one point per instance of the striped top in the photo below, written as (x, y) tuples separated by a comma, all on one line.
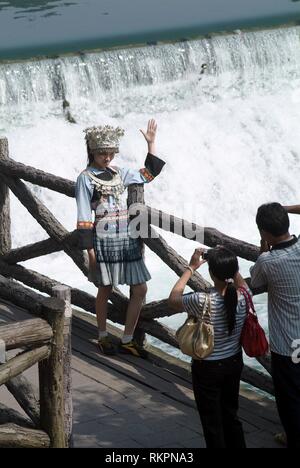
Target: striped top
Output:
[(279, 272), (225, 345)]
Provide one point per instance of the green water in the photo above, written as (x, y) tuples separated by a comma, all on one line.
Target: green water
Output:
[(39, 27)]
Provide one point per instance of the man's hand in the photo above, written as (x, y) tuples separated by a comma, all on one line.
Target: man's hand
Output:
[(294, 209), (197, 260)]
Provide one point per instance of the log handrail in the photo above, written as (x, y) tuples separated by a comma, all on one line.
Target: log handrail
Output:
[(51, 378), (49, 346), (22, 362), (45, 284), (174, 261), (9, 415), (61, 239), (5, 219), (12, 168), (24, 393), (27, 333), (212, 236), (22, 296), (14, 436), (38, 249), (46, 219)]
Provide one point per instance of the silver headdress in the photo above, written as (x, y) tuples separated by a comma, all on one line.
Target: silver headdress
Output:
[(103, 137)]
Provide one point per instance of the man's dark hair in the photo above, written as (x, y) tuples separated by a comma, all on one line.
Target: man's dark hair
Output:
[(273, 219)]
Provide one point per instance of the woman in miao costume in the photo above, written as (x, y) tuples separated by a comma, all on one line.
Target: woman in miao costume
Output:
[(114, 256)]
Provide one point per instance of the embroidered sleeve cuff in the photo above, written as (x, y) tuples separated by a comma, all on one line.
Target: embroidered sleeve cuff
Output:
[(153, 165), (85, 225)]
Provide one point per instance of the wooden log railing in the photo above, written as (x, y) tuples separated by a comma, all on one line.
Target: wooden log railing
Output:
[(45, 341), (5, 222), (24, 393), (39, 249), (22, 362), (11, 416), (212, 237), (45, 218), (62, 240), (35, 176), (14, 436), (27, 333), (21, 295)]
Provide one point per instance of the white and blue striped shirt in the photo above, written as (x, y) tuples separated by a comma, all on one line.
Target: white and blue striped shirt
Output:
[(225, 345), (279, 272)]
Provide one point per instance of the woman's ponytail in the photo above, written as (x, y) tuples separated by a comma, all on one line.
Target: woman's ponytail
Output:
[(223, 264), (230, 302)]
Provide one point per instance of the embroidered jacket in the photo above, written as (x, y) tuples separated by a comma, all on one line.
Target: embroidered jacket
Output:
[(101, 191)]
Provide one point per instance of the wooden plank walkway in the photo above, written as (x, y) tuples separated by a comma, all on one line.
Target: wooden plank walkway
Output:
[(124, 402)]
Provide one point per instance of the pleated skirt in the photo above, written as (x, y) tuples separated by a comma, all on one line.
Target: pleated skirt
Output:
[(120, 260)]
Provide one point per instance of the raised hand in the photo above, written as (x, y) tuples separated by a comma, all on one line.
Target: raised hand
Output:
[(197, 259), (150, 134)]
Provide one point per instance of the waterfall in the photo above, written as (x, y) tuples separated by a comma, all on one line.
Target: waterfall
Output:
[(230, 137)]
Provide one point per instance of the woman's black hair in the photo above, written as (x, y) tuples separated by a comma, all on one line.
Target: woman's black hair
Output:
[(90, 155), (223, 264)]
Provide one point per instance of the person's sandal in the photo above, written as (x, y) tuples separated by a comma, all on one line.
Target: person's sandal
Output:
[(106, 346), (134, 349), (281, 438)]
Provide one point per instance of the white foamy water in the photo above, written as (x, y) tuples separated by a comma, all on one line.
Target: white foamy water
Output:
[(231, 140)]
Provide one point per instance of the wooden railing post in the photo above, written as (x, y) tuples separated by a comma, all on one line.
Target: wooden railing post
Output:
[(136, 194), (24, 393), (2, 352), (51, 377), (64, 293), (5, 222)]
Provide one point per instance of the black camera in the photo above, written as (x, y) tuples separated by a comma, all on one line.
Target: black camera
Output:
[(205, 255)]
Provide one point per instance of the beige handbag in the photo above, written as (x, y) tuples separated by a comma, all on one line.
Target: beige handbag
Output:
[(196, 336)]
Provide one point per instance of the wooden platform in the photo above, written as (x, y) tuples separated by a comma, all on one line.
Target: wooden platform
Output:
[(131, 403)]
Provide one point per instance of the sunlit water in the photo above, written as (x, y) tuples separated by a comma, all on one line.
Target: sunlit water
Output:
[(31, 28)]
